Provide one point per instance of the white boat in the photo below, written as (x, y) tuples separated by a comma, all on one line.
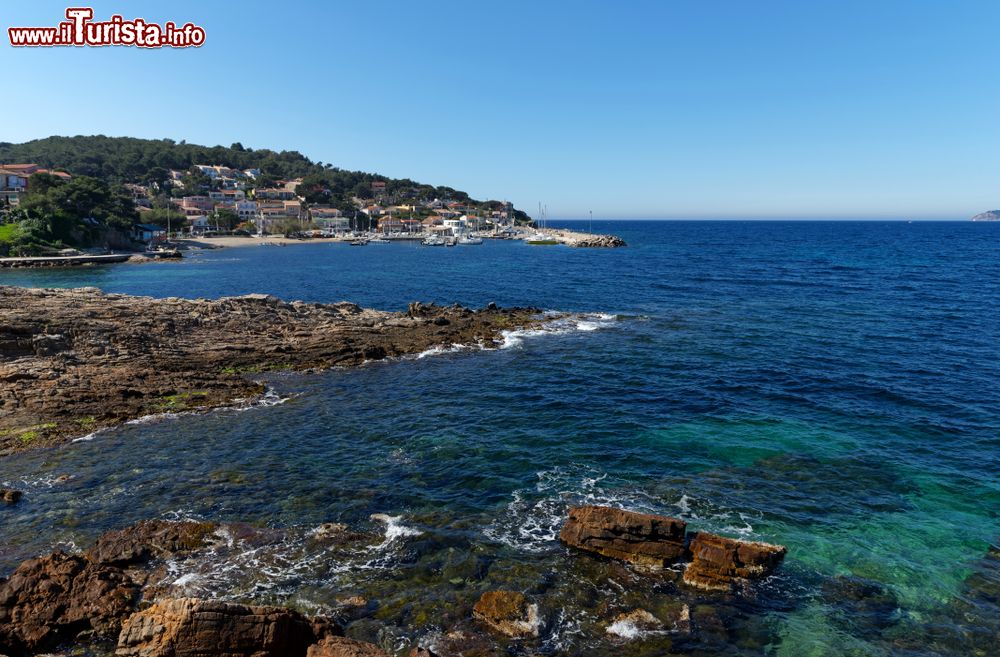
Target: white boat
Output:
[(378, 240), (433, 241), (470, 239)]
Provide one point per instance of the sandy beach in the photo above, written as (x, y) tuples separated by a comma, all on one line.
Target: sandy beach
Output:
[(230, 241)]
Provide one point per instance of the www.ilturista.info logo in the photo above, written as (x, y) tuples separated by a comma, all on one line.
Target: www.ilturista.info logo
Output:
[(81, 30)]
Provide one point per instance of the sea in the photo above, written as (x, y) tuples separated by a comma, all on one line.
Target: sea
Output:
[(830, 386)]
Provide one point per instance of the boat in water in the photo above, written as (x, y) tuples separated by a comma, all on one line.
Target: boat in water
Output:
[(540, 239), (433, 241), (378, 240), (359, 242), (470, 239)]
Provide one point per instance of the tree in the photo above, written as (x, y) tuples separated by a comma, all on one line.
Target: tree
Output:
[(195, 183), (157, 176), (73, 209), (225, 219), (314, 188)]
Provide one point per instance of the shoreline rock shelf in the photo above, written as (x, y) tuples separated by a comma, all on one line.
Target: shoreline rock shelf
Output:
[(119, 593), (714, 563), (77, 360)]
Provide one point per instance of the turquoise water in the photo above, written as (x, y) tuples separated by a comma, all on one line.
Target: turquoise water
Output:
[(829, 386)]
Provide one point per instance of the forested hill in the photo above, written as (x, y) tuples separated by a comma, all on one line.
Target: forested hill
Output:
[(131, 160)]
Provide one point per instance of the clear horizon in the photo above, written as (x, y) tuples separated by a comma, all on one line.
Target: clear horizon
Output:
[(720, 110)]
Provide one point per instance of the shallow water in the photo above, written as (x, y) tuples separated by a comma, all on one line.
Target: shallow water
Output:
[(829, 386)]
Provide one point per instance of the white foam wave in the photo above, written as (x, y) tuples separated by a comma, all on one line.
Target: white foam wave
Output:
[(626, 629), (560, 325), (532, 519), (394, 529), (442, 349)]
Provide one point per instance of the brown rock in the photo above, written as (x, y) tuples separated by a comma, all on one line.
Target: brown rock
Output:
[(50, 600), (507, 612), (639, 538), (148, 539), (9, 495), (339, 646), (719, 563), (185, 627), (422, 652)]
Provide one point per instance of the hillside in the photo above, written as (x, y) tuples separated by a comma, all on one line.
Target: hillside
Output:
[(95, 208), (132, 160), (992, 215)]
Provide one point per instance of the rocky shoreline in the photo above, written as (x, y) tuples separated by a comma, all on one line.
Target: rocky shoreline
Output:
[(77, 360), (122, 596)]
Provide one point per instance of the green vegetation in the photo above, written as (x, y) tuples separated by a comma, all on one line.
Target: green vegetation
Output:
[(181, 401), (117, 160), (55, 212), (29, 434), (9, 233)]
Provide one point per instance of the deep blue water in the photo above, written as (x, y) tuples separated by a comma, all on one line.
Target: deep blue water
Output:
[(832, 386)]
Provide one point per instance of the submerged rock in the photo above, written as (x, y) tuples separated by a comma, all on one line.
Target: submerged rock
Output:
[(10, 496), (186, 627), (639, 538), (861, 606), (719, 563), (148, 539), (509, 613), (339, 646), (635, 624), (50, 600)]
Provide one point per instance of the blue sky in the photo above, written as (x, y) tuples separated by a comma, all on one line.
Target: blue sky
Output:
[(696, 109)]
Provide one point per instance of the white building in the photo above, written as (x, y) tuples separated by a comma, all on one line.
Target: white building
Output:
[(246, 210)]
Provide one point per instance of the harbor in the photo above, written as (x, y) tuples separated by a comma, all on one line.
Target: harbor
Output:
[(528, 235)]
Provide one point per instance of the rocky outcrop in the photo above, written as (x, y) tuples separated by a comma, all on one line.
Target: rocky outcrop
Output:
[(600, 242), (50, 600), (508, 612), (716, 563), (634, 624), (720, 564), (73, 361), (186, 627), (339, 646), (991, 215), (10, 496), (422, 652), (639, 538), (148, 539)]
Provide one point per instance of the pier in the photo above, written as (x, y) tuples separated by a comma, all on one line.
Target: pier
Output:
[(64, 261)]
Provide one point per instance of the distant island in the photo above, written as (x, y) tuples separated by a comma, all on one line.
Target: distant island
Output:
[(991, 215), (113, 192)]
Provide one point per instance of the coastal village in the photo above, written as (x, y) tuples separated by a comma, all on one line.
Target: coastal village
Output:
[(279, 209), (212, 200)]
